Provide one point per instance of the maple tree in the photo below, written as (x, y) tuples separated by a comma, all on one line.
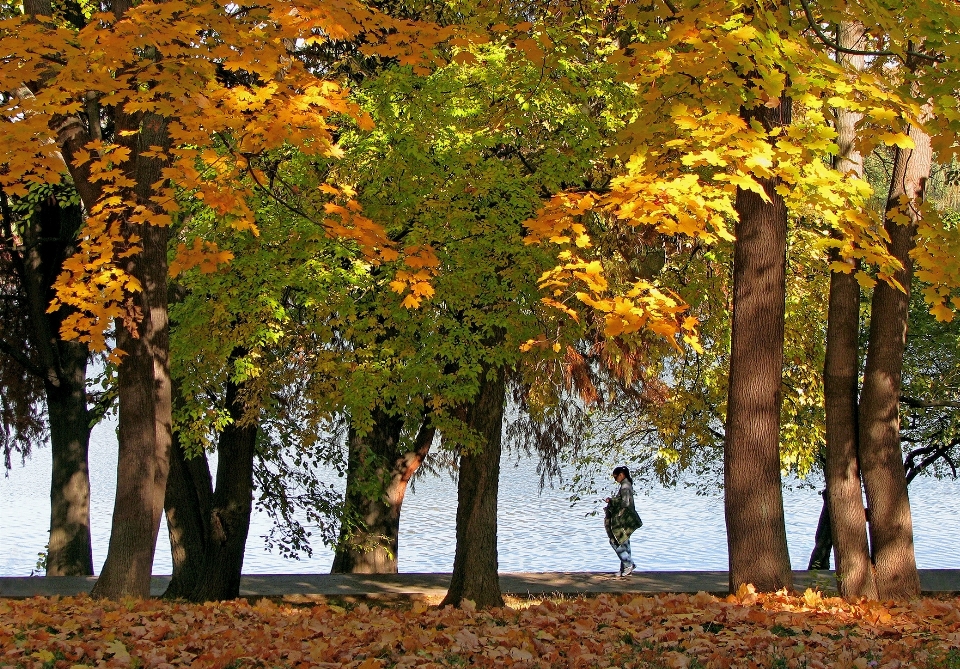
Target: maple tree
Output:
[(258, 363), (884, 478), (698, 151), (129, 102), (843, 495), (701, 93), (878, 441), (454, 166), (928, 415)]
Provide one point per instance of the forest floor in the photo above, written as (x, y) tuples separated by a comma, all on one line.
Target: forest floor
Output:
[(603, 631)]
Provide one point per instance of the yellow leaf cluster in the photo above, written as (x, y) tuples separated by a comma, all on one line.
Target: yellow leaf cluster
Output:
[(160, 67), (937, 260), (414, 283), (203, 254), (689, 149)]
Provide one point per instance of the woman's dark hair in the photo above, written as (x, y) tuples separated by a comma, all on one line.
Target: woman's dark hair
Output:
[(624, 471)]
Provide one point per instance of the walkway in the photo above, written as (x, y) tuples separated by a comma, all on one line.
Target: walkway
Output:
[(932, 581)]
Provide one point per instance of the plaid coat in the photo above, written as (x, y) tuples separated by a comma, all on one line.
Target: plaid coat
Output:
[(620, 517)]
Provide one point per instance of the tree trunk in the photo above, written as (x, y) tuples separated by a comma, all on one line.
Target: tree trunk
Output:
[(475, 576), (378, 472), (145, 425), (881, 457), (188, 503), (144, 428), (844, 496), (229, 519), (753, 499), (70, 551), (49, 239)]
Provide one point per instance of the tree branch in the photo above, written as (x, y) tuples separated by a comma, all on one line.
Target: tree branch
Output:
[(823, 37), (918, 403), (18, 356), (936, 452)]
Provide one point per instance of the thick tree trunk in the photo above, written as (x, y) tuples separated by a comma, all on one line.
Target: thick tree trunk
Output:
[(229, 519), (475, 576), (145, 425), (144, 429), (881, 457), (753, 499), (844, 497), (70, 551), (378, 472), (188, 503), (49, 239), (208, 528)]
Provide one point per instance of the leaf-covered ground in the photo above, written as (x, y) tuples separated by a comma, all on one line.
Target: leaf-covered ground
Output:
[(604, 631)]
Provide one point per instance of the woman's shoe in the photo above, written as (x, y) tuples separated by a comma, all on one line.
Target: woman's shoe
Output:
[(628, 570)]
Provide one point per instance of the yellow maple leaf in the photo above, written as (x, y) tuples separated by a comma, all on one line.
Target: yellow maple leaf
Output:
[(942, 313)]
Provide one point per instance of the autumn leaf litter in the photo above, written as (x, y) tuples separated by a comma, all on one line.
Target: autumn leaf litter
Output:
[(748, 630)]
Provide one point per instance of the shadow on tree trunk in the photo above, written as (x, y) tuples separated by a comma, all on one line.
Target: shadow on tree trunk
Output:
[(208, 526), (378, 471), (475, 564)]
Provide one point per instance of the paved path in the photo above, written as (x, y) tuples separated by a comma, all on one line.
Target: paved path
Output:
[(932, 581)]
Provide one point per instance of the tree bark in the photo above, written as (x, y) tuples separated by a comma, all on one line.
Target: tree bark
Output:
[(844, 496), (144, 385), (144, 428), (475, 567), (49, 239), (753, 499), (144, 379), (229, 520), (881, 457), (70, 551), (378, 472), (187, 504), (208, 527)]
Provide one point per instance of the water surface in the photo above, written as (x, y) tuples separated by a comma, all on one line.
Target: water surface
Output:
[(538, 531)]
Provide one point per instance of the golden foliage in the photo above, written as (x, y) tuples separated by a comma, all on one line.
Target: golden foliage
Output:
[(689, 147), (197, 91)]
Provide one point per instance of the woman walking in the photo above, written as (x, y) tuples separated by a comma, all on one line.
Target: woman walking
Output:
[(621, 519)]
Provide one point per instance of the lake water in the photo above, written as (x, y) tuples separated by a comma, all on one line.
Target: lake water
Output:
[(538, 531)]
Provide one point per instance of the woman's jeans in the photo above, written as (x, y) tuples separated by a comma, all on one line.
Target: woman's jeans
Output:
[(623, 552)]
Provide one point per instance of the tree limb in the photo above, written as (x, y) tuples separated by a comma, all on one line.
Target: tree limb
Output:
[(18, 356), (823, 37), (918, 403), (913, 470)]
